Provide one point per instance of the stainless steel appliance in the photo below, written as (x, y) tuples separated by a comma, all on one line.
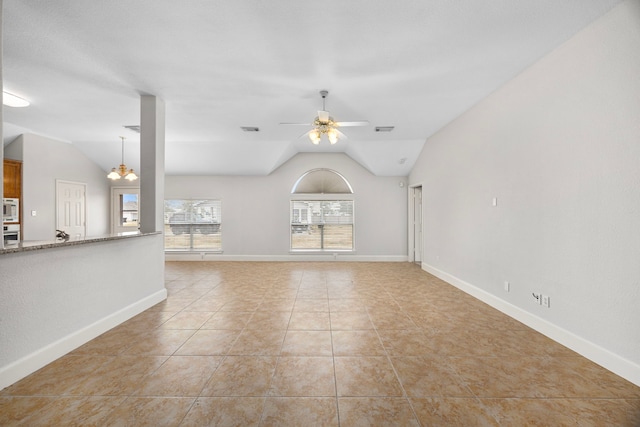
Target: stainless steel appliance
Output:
[(11, 233), (10, 210)]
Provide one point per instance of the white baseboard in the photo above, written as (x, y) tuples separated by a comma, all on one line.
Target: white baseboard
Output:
[(30, 363), (603, 357), (340, 256)]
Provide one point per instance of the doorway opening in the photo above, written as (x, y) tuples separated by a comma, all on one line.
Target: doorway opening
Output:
[(125, 209)]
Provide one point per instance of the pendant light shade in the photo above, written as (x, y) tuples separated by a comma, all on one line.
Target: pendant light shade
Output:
[(121, 171)]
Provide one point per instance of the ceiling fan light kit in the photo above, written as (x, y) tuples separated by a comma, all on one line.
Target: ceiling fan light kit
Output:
[(324, 124)]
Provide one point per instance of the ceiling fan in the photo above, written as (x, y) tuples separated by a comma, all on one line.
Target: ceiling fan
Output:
[(324, 124)]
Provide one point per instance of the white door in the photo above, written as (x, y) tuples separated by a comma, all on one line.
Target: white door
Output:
[(125, 205), (417, 224), (71, 208)]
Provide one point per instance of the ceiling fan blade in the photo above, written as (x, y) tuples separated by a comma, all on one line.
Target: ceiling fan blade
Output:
[(360, 123), (297, 124), (340, 134), (306, 134), (323, 116)]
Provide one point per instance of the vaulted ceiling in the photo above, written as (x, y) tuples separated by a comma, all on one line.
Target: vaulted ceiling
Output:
[(220, 65)]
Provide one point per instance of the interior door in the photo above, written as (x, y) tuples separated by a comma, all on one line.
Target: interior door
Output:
[(125, 205), (71, 208), (417, 224)]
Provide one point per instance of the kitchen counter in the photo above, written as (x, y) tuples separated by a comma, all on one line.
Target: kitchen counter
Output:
[(34, 245)]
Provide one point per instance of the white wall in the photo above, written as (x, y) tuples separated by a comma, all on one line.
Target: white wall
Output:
[(54, 300), (255, 209), (44, 161), (559, 146)]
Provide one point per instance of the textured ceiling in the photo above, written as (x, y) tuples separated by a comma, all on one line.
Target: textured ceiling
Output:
[(412, 64)]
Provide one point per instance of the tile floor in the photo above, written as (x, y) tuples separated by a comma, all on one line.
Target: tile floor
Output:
[(319, 344)]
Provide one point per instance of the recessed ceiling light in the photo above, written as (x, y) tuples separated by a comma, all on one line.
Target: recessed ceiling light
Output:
[(11, 100), (135, 128), (250, 129), (384, 128)]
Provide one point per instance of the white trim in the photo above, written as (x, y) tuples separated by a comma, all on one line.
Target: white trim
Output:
[(339, 256), (30, 363), (603, 357)]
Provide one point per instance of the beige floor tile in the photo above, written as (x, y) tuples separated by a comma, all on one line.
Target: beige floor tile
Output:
[(357, 343), (428, 377), (228, 320), (172, 304), (258, 342), (59, 377), (454, 411), (269, 320), (375, 411), (312, 292), (310, 320), (277, 304), (391, 320), (304, 376), (242, 376), (75, 411), (112, 342), (179, 376), (119, 377), (225, 411), (187, 320), (366, 376), (209, 342), (150, 411), (346, 304), (16, 409), (311, 304), (206, 304), (300, 411), (146, 321), (350, 320), (307, 343), (406, 342), (537, 412), (160, 342)]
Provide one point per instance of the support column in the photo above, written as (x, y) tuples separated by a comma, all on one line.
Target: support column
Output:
[(151, 164), (1, 122)]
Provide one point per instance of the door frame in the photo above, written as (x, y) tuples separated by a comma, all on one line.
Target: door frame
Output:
[(411, 223), (84, 184), (112, 205)]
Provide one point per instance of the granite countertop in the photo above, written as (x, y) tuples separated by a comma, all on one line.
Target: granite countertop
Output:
[(34, 245)]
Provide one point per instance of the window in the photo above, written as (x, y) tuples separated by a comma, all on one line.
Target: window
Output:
[(193, 225), (322, 225)]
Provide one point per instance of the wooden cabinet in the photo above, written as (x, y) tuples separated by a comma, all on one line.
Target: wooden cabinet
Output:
[(12, 179)]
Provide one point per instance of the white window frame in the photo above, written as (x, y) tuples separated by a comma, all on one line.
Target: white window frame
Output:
[(323, 198), (191, 225)]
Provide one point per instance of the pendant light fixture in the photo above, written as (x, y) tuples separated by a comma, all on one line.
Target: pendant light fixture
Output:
[(121, 171)]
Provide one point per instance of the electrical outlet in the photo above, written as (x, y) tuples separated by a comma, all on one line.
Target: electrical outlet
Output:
[(545, 300), (507, 286)]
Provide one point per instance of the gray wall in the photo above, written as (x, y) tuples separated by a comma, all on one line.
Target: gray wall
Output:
[(45, 161), (255, 209), (559, 146)]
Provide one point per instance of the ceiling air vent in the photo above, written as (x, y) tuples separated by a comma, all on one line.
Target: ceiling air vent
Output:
[(384, 128), (250, 129), (135, 128)]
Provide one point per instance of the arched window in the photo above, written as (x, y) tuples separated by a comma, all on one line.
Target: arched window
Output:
[(322, 181), (324, 222)]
